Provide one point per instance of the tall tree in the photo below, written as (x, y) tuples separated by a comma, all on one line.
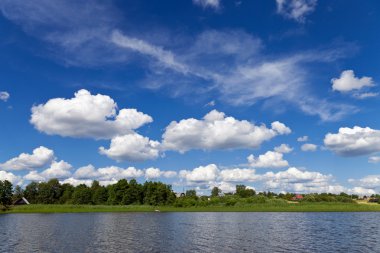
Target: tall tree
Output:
[(6, 192)]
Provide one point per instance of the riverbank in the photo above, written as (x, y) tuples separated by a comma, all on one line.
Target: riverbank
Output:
[(289, 207)]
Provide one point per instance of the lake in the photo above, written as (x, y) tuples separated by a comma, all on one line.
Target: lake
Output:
[(190, 232)]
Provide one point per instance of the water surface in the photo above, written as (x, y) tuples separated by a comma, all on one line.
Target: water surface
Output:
[(190, 232)]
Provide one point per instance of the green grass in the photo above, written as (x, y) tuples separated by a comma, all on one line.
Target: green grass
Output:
[(287, 207)]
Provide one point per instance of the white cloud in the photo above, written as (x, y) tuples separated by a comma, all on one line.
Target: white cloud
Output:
[(40, 158), (165, 57), (271, 159), (86, 172), (361, 191), (353, 141), (4, 96), (34, 176), (87, 116), (238, 175), (155, 173), (296, 180), (200, 174), (303, 138), (131, 147), (309, 147), (296, 9), (374, 159), (365, 95), (58, 170), (348, 82), (214, 4), (15, 180), (369, 182), (216, 131), (283, 148)]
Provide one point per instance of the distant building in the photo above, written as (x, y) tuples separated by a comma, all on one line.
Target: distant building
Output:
[(21, 201), (179, 195), (298, 197)]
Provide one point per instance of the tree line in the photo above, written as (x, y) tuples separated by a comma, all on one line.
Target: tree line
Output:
[(126, 192)]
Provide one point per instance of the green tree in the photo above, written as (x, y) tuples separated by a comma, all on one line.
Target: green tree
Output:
[(215, 192), (6, 192), (243, 192), (31, 192), (18, 193), (49, 192), (82, 195)]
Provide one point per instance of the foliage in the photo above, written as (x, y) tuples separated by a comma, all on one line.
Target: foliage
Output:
[(6, 192)]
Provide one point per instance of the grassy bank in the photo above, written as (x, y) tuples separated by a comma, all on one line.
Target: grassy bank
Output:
[(288, 207)]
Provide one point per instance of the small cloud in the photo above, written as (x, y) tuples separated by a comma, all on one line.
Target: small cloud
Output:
[(210, 104), (308, 147), (365, 95), (296, 9), (349, 82), (374, 159), (4, 96), (303, 138), (214, 4)]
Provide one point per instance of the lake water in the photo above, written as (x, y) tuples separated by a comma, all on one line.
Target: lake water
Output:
[(190, 232)]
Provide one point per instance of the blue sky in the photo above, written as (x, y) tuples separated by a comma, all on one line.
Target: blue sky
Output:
[(279, 95)]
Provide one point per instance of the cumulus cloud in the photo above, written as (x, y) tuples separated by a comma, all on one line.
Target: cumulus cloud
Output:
[(303, 138), (238, 175), (271, 159), (200, 174), (155, 173), (4, 96), (58, 170), (34, 176), (348, 82), (283, 148), (15, 180), (131, 147), (296, 180), (309, 147), (289, 180), (214, 4), (216, 131), (296, 9), (86, 116), (353, 141), (40, 158)]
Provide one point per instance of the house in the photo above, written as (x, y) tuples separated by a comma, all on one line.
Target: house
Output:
[(21, 201), (298, 197)]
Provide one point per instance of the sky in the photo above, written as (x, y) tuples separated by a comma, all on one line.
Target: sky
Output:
[(278, 95)]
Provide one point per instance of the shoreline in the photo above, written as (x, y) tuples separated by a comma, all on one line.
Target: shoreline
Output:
[(299, 207)]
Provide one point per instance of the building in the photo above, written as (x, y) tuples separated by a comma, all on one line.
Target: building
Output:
[(21, 201), (298, 197)]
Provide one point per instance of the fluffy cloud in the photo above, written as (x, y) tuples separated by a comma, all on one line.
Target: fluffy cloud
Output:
[(215, 4), (303, 138), (15, 180), (348, 82), (296, 9), (87, 116), (283, 148), (271, 159), (371, 181), (296, 180), (353, 141), (58, 170), (111, 173), (361, 191), (216, 131), (131, 147), (155, 173), (4, 96), (34, 176), (309, 147), (40, 158), (200, 174), (238, 175)]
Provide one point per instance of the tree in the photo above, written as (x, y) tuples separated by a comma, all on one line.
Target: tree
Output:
[(82, 195), (6, 192), (31, 192), (215, 192), (243, 192)]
